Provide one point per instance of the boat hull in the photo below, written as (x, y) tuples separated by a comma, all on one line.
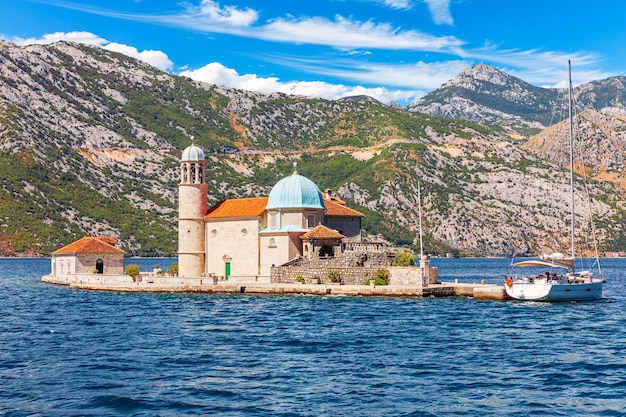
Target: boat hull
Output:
[(542, 291)]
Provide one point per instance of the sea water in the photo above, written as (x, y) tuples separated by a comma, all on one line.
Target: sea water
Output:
[(66, 352)]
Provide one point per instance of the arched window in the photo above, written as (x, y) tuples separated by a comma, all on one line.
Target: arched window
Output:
[(192, 173)]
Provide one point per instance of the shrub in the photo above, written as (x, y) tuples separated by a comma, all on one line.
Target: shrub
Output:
[(132, 270), (381, 277), (173, 270), (300, 278), (404, 259), (334, 275)]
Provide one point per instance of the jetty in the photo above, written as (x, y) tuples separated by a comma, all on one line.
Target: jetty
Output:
[(158, 284)]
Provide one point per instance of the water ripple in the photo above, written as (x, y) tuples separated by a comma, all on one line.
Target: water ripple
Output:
[(65, 352)]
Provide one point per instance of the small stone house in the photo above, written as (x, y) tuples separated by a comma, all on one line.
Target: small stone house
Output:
[(89, 255), (321, 242)]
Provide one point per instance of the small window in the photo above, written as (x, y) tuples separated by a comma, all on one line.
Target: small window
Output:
[(99, 266), (272, 243), (244, 232), (214, 232), (310, 219), (273, 221)]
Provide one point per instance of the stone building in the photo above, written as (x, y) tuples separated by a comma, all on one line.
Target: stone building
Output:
[(87, 256), (242, 239)]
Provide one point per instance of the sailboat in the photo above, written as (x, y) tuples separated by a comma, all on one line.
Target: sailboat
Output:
[(559, 281)]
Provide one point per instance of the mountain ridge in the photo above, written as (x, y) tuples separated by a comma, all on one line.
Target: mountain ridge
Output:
[(518, 106), (90, 141)]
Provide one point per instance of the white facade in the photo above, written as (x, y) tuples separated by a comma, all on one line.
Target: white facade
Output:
[(241, 239), (233, 248)]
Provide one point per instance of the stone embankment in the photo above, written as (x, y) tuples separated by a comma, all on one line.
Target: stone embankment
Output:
[(156, 284)]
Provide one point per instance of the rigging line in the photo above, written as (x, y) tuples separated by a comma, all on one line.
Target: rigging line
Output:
[(558, 111), (594, 236), (581, 156)]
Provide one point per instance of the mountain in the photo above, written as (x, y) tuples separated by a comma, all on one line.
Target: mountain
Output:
[(90, 142), (484, 94)]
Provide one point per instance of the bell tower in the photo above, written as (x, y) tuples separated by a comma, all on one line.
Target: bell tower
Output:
[(192, 207)]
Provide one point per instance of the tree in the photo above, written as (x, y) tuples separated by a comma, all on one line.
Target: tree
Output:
[(132, 270), (173, 270), (404, 259)]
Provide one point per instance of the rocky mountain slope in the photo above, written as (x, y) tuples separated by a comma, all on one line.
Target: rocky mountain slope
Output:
[(484, 94), (90, 141)]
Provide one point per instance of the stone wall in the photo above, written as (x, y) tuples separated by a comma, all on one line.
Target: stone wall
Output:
[(355, 275), (346, 260), (405, 275), (111, 281), (316, 275), (355, 268), (113, 263)]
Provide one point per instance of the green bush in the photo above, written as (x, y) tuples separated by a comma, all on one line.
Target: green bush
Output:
[(173, 270), (132, 270), (300, 278), (404, 259), (381, 277), (334, 275)]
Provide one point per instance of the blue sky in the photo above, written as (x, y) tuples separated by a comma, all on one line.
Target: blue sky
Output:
[(393, 50)]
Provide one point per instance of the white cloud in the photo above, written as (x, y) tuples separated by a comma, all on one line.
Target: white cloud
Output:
[(216, 73), (80, 37), (346, 33), (157, 59), (440, 11), (340, 32), (398, 4), (420, 75), (229, 15)]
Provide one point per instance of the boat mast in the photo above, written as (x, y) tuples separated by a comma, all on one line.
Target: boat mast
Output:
[(571, 162), (419, 204)]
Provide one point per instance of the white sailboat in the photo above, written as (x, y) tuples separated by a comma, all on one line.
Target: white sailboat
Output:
[(559, 281)]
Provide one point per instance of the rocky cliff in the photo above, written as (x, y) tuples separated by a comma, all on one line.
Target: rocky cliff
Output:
[(90, 141)]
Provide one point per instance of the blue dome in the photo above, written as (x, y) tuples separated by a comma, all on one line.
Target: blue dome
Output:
[(193, 153), (295, 191)]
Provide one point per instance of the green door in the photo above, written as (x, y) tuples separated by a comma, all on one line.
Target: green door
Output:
[(227, 274)]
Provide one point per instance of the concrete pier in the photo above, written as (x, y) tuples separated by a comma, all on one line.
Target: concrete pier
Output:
[(124, 283)]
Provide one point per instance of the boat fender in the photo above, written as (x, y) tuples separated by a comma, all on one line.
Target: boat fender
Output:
[(509, 281)]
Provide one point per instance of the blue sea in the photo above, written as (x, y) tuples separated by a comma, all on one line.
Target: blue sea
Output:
[(66, 352)]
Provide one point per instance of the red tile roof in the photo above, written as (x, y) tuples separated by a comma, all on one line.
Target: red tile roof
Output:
[(322, 232), (254, 207), (90, 244), (238, 207), (111, 240), (340, 210), (329, 196)]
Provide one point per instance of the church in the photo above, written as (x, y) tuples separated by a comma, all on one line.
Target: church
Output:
[(297, 234), (242, 239)]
